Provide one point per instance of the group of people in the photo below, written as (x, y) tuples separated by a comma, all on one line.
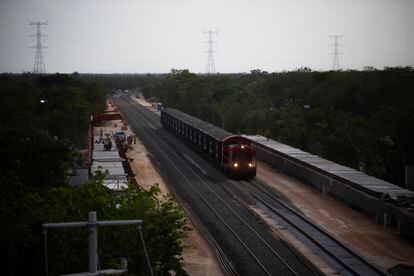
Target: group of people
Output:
[(106, 141), (131, 138)]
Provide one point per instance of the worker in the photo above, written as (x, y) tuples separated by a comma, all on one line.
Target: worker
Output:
[(129, 140), (267, 134), (105, 143), (109, 144)]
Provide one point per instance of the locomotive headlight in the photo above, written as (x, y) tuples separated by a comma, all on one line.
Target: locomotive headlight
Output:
[(250, 165), (242, 147), (236, 165)]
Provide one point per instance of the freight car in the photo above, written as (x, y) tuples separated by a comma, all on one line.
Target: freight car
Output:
[(233, 154)]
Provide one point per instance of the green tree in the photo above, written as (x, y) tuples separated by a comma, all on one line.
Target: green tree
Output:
[(164, 226), (292, 126)]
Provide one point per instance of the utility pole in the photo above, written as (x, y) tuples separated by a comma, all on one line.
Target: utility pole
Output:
[(336, 53), (39, 64), (210, 68), (92, 224)]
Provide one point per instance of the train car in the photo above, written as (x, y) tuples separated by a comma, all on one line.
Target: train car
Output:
[(234, 154)]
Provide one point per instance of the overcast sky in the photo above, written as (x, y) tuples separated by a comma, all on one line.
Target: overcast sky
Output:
[(140, 36)]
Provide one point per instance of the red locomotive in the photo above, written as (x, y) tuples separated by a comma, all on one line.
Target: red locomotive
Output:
[(234, 154)]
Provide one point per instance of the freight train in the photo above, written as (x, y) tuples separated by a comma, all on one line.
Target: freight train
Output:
[(233, 154)]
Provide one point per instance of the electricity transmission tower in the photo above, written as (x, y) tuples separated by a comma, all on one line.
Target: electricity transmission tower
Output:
[(336, 53), (210, 68), (39, 63)]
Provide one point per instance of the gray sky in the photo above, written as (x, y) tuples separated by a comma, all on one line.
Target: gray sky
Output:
[(140, 36)]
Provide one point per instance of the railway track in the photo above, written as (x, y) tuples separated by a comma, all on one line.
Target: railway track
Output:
[(260, 250), (341, 257), (225, 263)]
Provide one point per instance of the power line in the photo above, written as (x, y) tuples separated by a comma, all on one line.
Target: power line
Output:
[(82, 44), (69, 52), (39, 64), (7, 51), (210, 68), (14, 61), (336, 53), (13, 37)]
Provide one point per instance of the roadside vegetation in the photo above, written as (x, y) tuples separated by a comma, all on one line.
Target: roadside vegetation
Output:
[(44, 123)]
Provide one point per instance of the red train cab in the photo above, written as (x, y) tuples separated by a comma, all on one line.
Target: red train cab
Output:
[(239, 159)]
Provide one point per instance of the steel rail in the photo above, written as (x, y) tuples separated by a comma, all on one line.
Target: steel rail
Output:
[(217, 196)]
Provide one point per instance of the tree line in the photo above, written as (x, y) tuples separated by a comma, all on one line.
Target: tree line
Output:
[(44, 123)]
